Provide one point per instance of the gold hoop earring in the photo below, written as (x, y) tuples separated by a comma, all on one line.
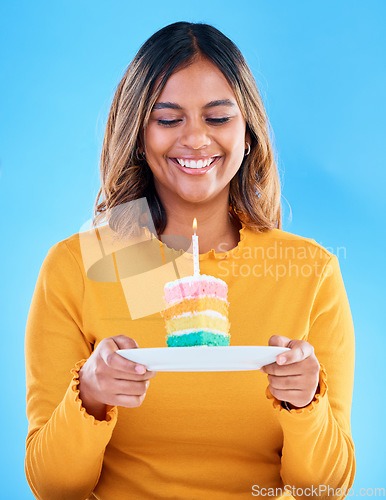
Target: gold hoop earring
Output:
[(248, 150), (140, 156)]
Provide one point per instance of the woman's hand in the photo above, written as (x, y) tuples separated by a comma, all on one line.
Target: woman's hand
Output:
[(109, 379), (294, 377)]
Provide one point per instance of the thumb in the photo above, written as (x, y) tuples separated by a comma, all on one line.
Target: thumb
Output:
[(279, 341), (124, 342)]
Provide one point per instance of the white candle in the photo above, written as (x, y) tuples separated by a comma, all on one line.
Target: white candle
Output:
[(196, 259)]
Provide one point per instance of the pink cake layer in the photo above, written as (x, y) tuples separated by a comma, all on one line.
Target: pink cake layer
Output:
[(195, 287)]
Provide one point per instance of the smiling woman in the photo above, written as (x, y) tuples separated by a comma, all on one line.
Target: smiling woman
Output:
[(188, 133), (191, 85)]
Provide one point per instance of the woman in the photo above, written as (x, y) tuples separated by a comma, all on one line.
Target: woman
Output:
[(187, 131)]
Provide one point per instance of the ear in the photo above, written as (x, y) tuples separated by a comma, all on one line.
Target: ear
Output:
[(140, 145), (248, 136)]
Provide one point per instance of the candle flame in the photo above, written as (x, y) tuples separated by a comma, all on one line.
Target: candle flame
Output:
[(194, 224)]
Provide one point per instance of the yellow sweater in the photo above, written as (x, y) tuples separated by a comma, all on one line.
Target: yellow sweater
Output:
[(203, 435)]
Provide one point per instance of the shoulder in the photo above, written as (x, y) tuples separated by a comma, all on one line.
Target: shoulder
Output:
[(285, 245), (86, 248), (63, 247), (298, 240), (64, 255), (94, 240)]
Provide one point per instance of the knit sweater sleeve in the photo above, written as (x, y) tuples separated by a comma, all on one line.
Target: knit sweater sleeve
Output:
[(65, 445), (318, 449)]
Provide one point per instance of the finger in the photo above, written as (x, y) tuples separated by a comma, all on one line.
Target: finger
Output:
[(279, 341), (297, 398), (128, 387), (126, 375), (300, 350), (108, 348), (286, 395), (149, 375), (282, 371), (124, 342), (295, 382), (125, 400)]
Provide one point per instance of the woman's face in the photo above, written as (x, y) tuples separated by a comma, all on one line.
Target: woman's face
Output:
[(196, 136)]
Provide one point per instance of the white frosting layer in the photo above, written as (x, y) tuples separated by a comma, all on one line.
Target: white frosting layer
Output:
[(208, 312), (195, 330), (195, 279)]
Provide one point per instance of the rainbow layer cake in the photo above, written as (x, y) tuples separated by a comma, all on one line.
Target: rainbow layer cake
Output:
[(196, 311)]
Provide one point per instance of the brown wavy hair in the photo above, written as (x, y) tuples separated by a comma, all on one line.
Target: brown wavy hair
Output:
[(254, 194)]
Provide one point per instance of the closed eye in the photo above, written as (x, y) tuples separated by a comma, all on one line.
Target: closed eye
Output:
[(218, 121), (212, 121), (168, 123)]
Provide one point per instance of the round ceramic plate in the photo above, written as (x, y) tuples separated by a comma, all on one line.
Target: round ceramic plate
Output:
[(203, 358)]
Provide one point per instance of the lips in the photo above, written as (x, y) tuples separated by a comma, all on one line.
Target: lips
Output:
[(196, 166)]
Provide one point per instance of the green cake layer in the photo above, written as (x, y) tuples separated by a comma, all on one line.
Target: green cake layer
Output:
[(197, 338)]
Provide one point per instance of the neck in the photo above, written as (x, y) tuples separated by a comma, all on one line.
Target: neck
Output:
[(215, 227)]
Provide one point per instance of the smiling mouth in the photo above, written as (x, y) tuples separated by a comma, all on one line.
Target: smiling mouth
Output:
[(195, 164)]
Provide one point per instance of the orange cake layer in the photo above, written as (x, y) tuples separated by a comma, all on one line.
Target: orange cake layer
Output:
[(196, 305)]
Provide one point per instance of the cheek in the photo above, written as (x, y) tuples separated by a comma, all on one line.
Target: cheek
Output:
[(157, 140), (235, 151), (151, 141), (234, 147), (233, 139)]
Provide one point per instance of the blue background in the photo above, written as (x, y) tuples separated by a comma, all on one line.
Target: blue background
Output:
[(320, 68)]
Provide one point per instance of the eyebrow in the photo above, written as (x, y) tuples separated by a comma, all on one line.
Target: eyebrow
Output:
[(211, 104)]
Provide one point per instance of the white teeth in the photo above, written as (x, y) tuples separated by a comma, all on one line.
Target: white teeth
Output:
[(195, 164)]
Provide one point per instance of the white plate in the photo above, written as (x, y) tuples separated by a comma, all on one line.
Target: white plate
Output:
[(203, 358)]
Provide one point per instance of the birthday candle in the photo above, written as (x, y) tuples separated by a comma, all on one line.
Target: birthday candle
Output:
[(196, 261)]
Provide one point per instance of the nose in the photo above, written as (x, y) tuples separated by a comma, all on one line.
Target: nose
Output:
[(195, 135)]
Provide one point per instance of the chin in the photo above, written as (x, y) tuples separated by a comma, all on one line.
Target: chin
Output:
[(196, 197)]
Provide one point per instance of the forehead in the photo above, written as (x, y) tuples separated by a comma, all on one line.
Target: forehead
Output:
[(199, 83)]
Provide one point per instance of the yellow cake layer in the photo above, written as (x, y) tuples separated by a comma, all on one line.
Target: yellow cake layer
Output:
[(196, 305), (196, 321)]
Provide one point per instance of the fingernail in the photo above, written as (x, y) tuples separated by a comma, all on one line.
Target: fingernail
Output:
[(281, 360), (140, 369)]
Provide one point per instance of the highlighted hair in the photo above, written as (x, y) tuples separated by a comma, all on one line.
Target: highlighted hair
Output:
[(254, 195)]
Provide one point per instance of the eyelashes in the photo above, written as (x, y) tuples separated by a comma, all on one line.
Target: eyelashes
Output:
[(218, 120), (211, 121), (168, 123)]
